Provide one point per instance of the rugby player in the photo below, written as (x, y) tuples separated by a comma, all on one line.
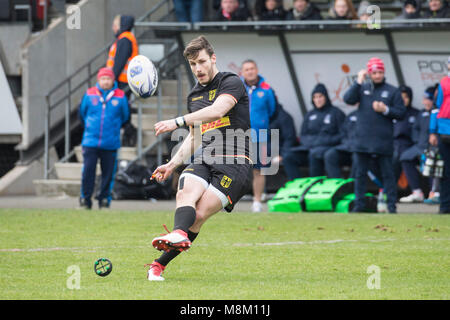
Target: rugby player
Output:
[(220, 170)]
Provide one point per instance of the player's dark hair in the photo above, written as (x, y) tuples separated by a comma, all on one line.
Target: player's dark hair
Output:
[(195, 46)]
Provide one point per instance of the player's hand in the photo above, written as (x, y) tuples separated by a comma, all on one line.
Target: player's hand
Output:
[(165, 126), (163, 172), (361, 76), (433, 139)]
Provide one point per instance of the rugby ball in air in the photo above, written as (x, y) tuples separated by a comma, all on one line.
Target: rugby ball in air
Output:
[(142, 76)]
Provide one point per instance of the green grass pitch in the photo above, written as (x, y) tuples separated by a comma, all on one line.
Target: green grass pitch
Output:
[(236, 256)]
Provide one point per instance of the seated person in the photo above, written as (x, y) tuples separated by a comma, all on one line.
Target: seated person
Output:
[(230, 10), (341, 155), (403, 130), (342, 10), (321, 129), (303, 10), (283, 121), (437, 9), (273, 11), (410, 157)]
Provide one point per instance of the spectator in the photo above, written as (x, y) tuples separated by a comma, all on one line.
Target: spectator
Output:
[(409, 158), (103, 111), (123, 50), (320, 131), (189, 10), (403, 130), (342, 10), (273, 11), (379, 103), (303, 10), (283, 121), (262, 107), (230, 10), (342, 154), (437, 9), (440, 136), (411, 10), (363, 14)]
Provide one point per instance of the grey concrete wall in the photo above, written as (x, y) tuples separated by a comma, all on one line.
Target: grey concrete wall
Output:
[(51, 56), (12, 37)]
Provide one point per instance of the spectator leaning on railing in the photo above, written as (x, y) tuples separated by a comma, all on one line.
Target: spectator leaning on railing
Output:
[(273, 11), (303, 10), (440, 135), (437, 9), (230, 10), (342, 10), (410, 10)]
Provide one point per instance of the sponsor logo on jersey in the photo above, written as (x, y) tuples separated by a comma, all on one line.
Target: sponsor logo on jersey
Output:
[(197, 98), (223, 122), (225, 182), (212, 94)]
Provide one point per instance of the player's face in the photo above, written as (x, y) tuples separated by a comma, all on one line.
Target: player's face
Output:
[(377, 76), (106, 83), (249, 72), (203, 67)]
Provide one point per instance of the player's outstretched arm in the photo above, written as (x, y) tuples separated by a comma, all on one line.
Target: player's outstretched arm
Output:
[(183, 154), (217, 110)]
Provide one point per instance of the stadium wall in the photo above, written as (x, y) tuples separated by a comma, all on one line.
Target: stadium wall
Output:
[(332, 58), (51, 56)]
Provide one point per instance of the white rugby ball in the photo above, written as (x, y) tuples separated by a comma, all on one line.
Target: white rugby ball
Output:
[(142, 76)]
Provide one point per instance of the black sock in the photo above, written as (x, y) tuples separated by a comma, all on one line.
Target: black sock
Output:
[(184, 218), (166, 257)]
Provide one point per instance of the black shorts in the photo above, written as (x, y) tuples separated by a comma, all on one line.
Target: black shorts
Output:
[(230, 181)]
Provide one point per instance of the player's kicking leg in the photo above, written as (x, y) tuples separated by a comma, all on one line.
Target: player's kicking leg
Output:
[(186, 228)]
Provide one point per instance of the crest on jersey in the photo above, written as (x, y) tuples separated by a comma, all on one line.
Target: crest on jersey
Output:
[(212, 94), (225, 182)]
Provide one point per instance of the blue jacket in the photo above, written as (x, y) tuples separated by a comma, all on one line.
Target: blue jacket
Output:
[(102, 121), (403, 129), (262, 104), (420, 129), (321, 128), (375, 131), (439, 125)]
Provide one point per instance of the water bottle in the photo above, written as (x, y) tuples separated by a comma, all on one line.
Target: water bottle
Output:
[(439, 168), (381, 204)]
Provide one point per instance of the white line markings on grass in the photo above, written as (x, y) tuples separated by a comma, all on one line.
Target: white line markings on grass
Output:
[(285, 243)]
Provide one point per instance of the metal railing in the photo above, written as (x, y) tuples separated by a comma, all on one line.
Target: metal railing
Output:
[(72, 89), (163, 66)]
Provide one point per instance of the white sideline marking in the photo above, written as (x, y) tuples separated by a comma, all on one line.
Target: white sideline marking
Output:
[(234, 244), (328, 242)]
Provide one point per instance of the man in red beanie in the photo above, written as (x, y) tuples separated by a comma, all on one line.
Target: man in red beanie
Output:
[(103, 111), (379, 103)]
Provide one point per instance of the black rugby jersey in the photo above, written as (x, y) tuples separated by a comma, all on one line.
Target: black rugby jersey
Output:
[(237, 119)]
